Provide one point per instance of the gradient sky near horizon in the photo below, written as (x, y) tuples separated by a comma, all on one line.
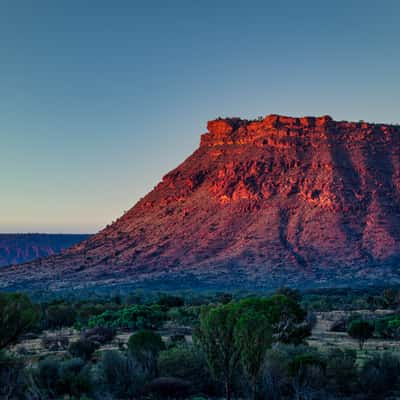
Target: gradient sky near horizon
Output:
[(99, 99)]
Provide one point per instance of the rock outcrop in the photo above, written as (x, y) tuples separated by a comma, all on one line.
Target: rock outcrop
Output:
[(279, 200)]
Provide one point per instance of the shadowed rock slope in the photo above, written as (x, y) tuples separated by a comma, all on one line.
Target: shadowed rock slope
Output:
[(304, 201)]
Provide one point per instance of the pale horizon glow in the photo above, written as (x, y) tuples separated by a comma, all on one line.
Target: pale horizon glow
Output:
[(98, 101)]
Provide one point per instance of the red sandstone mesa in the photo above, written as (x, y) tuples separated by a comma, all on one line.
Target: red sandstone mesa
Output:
[(277, 200)]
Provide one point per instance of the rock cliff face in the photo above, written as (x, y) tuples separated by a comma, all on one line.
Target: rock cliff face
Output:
[(280, 200), (23, 247)]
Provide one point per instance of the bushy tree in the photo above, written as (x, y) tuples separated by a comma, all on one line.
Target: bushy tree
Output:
[(169, 301), (216, 337), (185, 362), (82, 348), (14, 382), (361, 331), (244, 330), (290, 293), (55, 342), (253, 336), (58, 378), (99, 335), (120, 375), (145, 346), (132, 317), (307, 371), (379, 375), (286, 316), (17, 315), (342, 370), (168, 388), (59, 315)]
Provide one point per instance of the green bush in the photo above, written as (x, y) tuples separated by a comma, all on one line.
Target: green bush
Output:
[(379, 375), (55, 342), (17, 315), (361, 331), (275, 381), (167, 302), (145, 346), (99, 335), (82, 348), (342, 370), (120, 375), (293, 372), (14, 382), (60, 315), (168, 388), (57, 378), (133, 317), (185, 362)]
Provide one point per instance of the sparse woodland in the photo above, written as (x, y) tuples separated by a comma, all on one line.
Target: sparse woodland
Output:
[(284, 345)]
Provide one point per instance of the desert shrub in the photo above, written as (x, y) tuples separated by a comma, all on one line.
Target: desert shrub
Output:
[(17, 315), (22, 350), (59, 315), (342, 323), (293, 294), (120, 375), (83, 349), (339, 325), (391, 296), (133, 317), (87, 310), (176, 339), (185, 362), (74, 378), (47, 375), (291, 371), (360, 330), (168, 388), (379, 375), (311, 320), (167, 302), (145, 346), (55, 342), (187, 316), (274, 382), (382, 329), (99, 335), (307, 372), (13, 378), (57, 378), (342, 370)]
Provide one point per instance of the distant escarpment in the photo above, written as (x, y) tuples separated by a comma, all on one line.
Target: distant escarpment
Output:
[(300, 201), (17, 248)]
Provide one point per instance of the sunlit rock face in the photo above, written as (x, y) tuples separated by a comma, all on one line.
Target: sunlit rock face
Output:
[(279, 200)]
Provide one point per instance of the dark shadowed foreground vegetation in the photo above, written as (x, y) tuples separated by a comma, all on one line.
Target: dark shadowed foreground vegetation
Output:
[(332, 344)]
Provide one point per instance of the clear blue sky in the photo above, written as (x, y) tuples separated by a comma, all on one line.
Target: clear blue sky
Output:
[(99, 99)]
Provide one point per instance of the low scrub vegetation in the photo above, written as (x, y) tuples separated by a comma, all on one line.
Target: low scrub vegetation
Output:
[(176, 347)]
